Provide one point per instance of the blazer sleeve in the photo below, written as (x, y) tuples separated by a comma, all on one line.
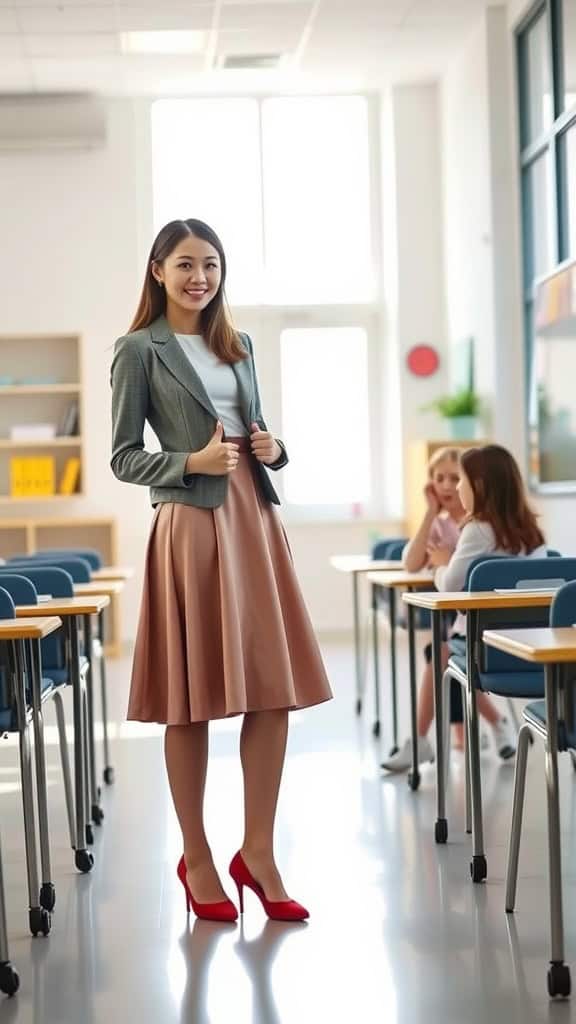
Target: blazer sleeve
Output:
[(130, 396), (283, 458), (474, 541)]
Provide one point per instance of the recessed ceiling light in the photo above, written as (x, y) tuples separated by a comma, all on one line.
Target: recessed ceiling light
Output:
[(166, 42)]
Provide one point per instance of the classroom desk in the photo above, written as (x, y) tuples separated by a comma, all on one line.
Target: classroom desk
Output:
[(551, 648), (14, 632), (471, 602), (356, 566), (113, 572), (111, 588), (394, 581), (70, 609)]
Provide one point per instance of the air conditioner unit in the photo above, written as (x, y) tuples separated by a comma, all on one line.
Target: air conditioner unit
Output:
[(41, 122)]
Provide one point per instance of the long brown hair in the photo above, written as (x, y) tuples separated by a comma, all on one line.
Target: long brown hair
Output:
[(219, 334), (500, 498)]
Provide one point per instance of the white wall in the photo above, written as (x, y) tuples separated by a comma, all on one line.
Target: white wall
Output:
[(482, 224)]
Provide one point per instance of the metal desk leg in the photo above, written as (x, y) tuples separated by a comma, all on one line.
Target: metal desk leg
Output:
[(83, 858), (96, 814), (393, 674), (559, 972), (375, 646), (414, 775), (478, 865), (39, 918), (47, 890), (108, 769), (441, 826)]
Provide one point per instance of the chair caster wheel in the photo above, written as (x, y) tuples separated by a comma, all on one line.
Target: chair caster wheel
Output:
[(441, 830), (109, 775), (376, 729), (559, 983), (97, 814), (39, 921), (414, 780), (478, 868), (9, 980), (84, 861), (48, 896)]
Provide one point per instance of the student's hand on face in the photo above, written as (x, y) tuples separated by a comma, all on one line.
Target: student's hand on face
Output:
[(432, 498), (264, 446), (438, 556)]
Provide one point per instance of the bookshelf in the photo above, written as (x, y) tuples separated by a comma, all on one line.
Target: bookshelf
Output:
[(40, 380), (28, 535)]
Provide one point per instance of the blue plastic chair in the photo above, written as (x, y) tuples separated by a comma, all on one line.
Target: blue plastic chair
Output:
[(9, 980), (553, 720), (496, 672), (78, 568), (24, 690), (90, 555)]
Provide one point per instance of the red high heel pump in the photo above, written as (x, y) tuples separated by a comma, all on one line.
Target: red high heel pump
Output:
[(277, 910), (224, 910)]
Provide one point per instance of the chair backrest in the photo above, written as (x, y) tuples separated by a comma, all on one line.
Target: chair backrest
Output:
[(551, 553), (78, 568), (58, 583), (563, 610), (90, 555), (389, 548), (512, 574), (7, 609), (21, 589)]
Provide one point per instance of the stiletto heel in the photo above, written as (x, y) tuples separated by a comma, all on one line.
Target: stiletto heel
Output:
[(224, 910), (277, 910)]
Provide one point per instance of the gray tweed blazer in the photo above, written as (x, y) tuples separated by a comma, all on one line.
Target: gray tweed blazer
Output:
[(153, 380)]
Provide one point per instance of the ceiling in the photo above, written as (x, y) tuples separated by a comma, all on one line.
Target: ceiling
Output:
[(74, 45)]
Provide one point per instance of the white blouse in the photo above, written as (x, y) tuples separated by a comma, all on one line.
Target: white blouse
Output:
[(219, 381)]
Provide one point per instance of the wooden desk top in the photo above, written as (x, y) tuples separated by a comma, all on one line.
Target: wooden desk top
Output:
[(108, 587), (540, 645), (363, 563), (28, 629), (64, 606), (402, 579), (113, 572), (465, 600)]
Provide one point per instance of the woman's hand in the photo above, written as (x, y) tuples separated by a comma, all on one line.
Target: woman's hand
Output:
[(218, 457), (264, 447), (432, 499), (438, 556)]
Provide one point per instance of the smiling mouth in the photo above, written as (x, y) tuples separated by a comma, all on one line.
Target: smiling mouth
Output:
[(195, 293)]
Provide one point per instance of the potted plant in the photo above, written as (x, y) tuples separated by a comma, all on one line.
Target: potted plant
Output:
[(461, 410)]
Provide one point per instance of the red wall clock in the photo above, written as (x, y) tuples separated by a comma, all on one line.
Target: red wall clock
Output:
[(423, 360)]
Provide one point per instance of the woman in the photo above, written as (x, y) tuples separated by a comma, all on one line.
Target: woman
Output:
[(223, 628)]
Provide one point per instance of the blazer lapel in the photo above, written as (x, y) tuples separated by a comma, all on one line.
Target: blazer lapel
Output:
[(170, 352)]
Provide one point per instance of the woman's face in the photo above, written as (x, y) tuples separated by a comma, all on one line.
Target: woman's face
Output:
[(191, 274), (466, 493), (445, 479)]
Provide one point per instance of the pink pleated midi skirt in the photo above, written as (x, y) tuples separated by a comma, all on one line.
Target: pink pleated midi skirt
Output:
[(223, 627)]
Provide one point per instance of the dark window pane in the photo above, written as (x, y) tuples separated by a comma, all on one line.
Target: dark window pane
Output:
[(569, 46), (568, 192), (538, 222), (536, 81)]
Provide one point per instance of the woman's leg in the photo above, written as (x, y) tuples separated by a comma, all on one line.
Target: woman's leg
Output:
[(262, 751), (186, 750)]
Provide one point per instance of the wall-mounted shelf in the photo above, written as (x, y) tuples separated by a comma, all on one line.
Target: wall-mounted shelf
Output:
[(39, 389), (53, 442)]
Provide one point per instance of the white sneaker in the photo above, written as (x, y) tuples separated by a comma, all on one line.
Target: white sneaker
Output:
[(401, 761), (505, 739)]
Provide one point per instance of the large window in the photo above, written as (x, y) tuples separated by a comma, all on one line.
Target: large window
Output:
[(286, 184), (546, 49)]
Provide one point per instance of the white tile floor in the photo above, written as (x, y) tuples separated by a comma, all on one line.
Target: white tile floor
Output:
[(398, 933)]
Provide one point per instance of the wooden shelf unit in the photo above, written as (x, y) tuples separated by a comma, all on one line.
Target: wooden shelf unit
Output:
[(27, 535), (48, 356)]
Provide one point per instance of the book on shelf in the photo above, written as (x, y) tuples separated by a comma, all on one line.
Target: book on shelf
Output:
[(32, 476), (70, 475), (32, 431)]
